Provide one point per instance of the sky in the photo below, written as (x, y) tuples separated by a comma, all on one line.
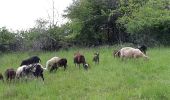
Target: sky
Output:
[(22, 14)]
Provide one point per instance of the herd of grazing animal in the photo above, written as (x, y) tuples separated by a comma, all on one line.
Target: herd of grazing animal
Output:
[(31, 67)]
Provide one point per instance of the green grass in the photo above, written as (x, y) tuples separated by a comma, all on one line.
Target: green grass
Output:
[(112, 79)]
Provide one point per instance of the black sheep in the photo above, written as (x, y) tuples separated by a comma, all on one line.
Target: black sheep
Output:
[(31, 60)]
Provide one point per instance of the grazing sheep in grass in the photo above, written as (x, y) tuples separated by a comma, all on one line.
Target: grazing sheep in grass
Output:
[(32, 69), (61, 63), (31, 60), (38, 71), (1, 77), (79, 59), (51, 62), (20, 71), (96, 58), (129, 52), (142, 48), (10, 74)]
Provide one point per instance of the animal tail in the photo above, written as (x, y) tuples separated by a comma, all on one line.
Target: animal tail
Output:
[(44, 68)]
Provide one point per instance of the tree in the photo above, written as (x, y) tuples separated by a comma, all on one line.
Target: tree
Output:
[(150, 22)]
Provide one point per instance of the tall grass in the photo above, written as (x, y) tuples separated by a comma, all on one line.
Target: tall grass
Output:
[(112, 79)]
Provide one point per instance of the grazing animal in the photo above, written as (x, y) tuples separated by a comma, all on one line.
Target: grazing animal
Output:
[(61, 63), (38, 71), (10, 74), (51, 62), (143, 48), (23, 70), (1, 77), (32, 69), (96, 58), (79, 59), (31, 60), (129, 52)]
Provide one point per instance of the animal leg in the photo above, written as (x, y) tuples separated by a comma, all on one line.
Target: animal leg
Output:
[(56, 69), (79, 66), (42, 76), (64, 68), (52, 68)]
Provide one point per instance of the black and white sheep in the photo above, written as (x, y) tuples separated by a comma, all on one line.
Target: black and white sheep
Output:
[(22, 71), (31, 60), (32, 69), (38, 71)]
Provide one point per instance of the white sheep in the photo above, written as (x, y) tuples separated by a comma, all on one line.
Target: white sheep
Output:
[(129, 52), (51, 62)]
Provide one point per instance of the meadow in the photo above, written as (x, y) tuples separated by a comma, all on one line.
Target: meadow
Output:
[(112, 79)]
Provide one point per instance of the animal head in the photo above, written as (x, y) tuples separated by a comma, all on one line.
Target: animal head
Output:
[(96, 54), (116, 53), (86, 66)]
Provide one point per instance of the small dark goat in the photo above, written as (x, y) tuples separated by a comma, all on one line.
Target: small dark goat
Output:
[(143, 48), (10, 74), (79, 59), (61, 63), (1, 77), (31, 60), (96, 58)]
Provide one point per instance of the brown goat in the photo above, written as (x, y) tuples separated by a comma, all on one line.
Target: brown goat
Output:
[(61, 63), (10, 74), (79, 59)]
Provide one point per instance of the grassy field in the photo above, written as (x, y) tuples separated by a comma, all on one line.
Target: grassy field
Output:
[(112, 79)]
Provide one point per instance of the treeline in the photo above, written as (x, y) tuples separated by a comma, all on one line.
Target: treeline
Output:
[(97, 22)]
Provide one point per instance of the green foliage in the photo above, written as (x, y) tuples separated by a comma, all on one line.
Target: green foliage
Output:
[(6, 37), (151, 19), (91, 18)]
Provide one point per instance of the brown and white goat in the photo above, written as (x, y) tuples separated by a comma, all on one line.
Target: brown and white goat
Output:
[(80, 59)]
